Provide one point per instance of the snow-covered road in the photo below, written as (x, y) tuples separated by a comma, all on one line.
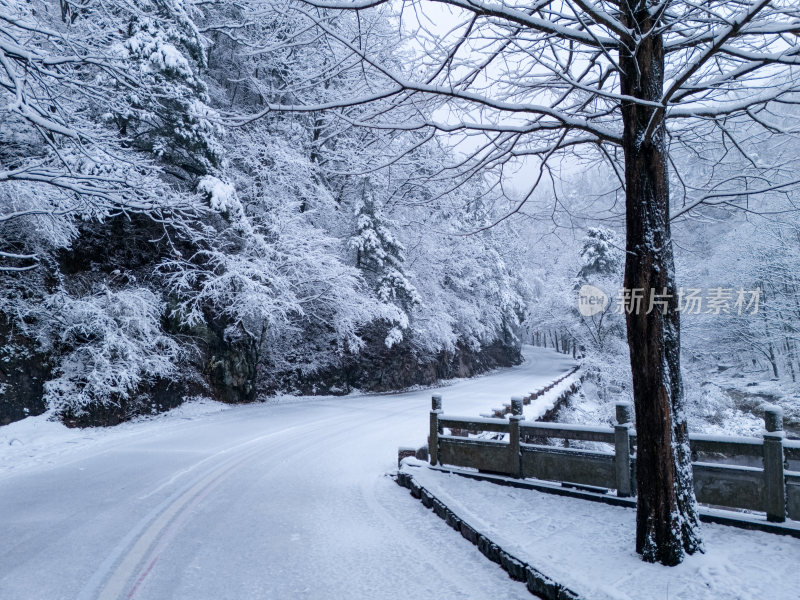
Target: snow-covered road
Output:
[(277, 500)]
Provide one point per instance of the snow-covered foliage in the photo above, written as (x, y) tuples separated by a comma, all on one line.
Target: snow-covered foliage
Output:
[(221, 195), (61, 78), (735, 361), (602, 254), (168, 112), (104, 346), (327, 244), (153, 208), (380, 254)]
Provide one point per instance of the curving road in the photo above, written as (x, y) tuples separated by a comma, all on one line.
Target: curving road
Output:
[(287, 500)]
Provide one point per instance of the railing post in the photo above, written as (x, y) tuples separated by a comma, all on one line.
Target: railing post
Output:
[(514, 457), (774, 482), (622, 449), (433, 438), (516, 406)]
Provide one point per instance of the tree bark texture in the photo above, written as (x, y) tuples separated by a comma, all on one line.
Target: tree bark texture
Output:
[(667, 524)]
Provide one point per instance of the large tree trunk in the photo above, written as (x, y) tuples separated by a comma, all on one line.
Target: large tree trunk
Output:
[(666, 521)]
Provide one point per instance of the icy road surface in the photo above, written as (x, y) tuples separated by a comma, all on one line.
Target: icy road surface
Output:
[(278, 500)]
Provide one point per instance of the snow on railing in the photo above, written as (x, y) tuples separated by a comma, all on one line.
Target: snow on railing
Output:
[(545, 398), (770, 487)]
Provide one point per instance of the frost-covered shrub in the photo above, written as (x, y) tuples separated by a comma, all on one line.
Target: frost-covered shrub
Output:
[(105, 345), (711, 409)]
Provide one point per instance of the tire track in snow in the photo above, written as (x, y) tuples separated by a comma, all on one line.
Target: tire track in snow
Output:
[(122, 565)]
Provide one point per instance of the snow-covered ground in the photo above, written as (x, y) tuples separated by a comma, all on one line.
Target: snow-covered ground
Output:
[(589, 546), (286, 499), (721, 403), (39, 441), (732, 402)]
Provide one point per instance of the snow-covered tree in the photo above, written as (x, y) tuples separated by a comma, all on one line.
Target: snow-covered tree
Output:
[(66, 171), (381, 257), (167, 113), (601, 254)]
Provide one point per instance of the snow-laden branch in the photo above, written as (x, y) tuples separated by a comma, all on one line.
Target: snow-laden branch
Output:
[(573, 30), (400, 83), (719, 39)]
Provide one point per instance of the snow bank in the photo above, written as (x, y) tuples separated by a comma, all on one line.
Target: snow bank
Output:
[(37, 441)]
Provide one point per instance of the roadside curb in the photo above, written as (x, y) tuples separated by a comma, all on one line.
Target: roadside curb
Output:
[(535, 581)]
